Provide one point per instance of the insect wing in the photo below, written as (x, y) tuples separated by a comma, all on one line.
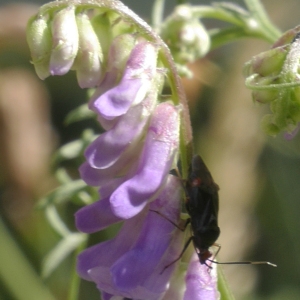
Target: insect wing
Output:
[(200, 187)]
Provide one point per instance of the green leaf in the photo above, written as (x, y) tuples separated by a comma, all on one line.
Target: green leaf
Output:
[(75, 148), (56, 222), (61, 251), (235, 10), (80, 113), (17, 273), (70, 150), (225, 36), (63, 193), (62, 176)]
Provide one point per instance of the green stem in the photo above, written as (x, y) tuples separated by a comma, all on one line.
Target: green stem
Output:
[(211, 12), (226, 36), (75, 280), (252, 85), (259, 14), (223, 287), (157, 14), (16, 272), (55, 221), (254, 24)]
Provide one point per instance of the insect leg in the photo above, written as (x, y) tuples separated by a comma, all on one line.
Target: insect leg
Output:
[(177, 226), (219, 248), (180, 255)]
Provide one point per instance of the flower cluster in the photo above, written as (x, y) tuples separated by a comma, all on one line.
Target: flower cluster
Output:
[(130, 162), (274, 78)]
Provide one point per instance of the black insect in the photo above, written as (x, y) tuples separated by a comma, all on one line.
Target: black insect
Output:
[(202, 205)]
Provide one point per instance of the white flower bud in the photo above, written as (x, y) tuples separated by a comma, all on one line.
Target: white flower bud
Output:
[(90, 57), (65, 41), (39, 41)]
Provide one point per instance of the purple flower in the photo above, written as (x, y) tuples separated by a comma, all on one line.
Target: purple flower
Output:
[(200, 283), (134, 85), (123, 136), (154, 164), (132, 264), (130, 162), (148, 174)]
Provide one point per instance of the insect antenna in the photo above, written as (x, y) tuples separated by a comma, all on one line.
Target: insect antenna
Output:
[(243, 263)]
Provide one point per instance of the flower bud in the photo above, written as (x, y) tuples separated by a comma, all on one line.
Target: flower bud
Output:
[(103, 30), (288, 37), (268, 125), (120, 51), (89, 57), (267, 95), (273, 77), (185, 35), (268, 63), (65, 41), (39, 41)]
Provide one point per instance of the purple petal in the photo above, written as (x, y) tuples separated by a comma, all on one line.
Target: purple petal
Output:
[(168, 242), (109, 146), (95, 217), (138, 272), (157, 283), (101, 177), (118, 55), (117, 101), (201, 284), (107, 189), (106, 296), (91, 176), (177, 285), (155, 162), (98, 177), (109, 81), (160, 283), (134, 85), (153, 241), (106, 253)]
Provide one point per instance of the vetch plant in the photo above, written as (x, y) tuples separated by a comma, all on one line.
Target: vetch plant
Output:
[(125, 173), (273, 76), (130, 162)]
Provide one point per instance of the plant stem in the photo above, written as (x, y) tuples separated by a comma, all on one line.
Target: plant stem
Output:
[(258, 12), (223, 286), (75, 280), (157, 14), (211, 12)]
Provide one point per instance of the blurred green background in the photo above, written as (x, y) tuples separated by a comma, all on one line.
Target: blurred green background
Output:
[(258, 175)]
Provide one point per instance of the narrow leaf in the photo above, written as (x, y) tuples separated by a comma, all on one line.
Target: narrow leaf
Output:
[(61, 251)]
